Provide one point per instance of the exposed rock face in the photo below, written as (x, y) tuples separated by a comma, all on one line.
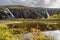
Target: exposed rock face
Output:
[(28, 12)]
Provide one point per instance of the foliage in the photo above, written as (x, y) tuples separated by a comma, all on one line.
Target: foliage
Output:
[(55, 16), (7, 32)]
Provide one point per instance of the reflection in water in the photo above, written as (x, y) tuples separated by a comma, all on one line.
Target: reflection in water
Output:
[(55, 34)]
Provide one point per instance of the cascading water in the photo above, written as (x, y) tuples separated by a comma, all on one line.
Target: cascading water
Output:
[(47, 13), (9, 12), (37, 14), (47, 17)]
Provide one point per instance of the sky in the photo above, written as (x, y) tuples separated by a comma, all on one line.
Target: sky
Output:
[(33, 3)]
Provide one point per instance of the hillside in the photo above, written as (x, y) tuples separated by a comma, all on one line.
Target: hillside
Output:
[(26, 12)]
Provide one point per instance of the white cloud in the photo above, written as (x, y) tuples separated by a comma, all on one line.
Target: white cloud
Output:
[(34, 3)]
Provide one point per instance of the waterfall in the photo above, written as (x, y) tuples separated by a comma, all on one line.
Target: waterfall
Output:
[(10, 13), (47, 13), (37, 14), (7, 14)]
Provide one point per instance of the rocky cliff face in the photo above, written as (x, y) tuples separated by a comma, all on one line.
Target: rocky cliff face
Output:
[(27, 12)]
